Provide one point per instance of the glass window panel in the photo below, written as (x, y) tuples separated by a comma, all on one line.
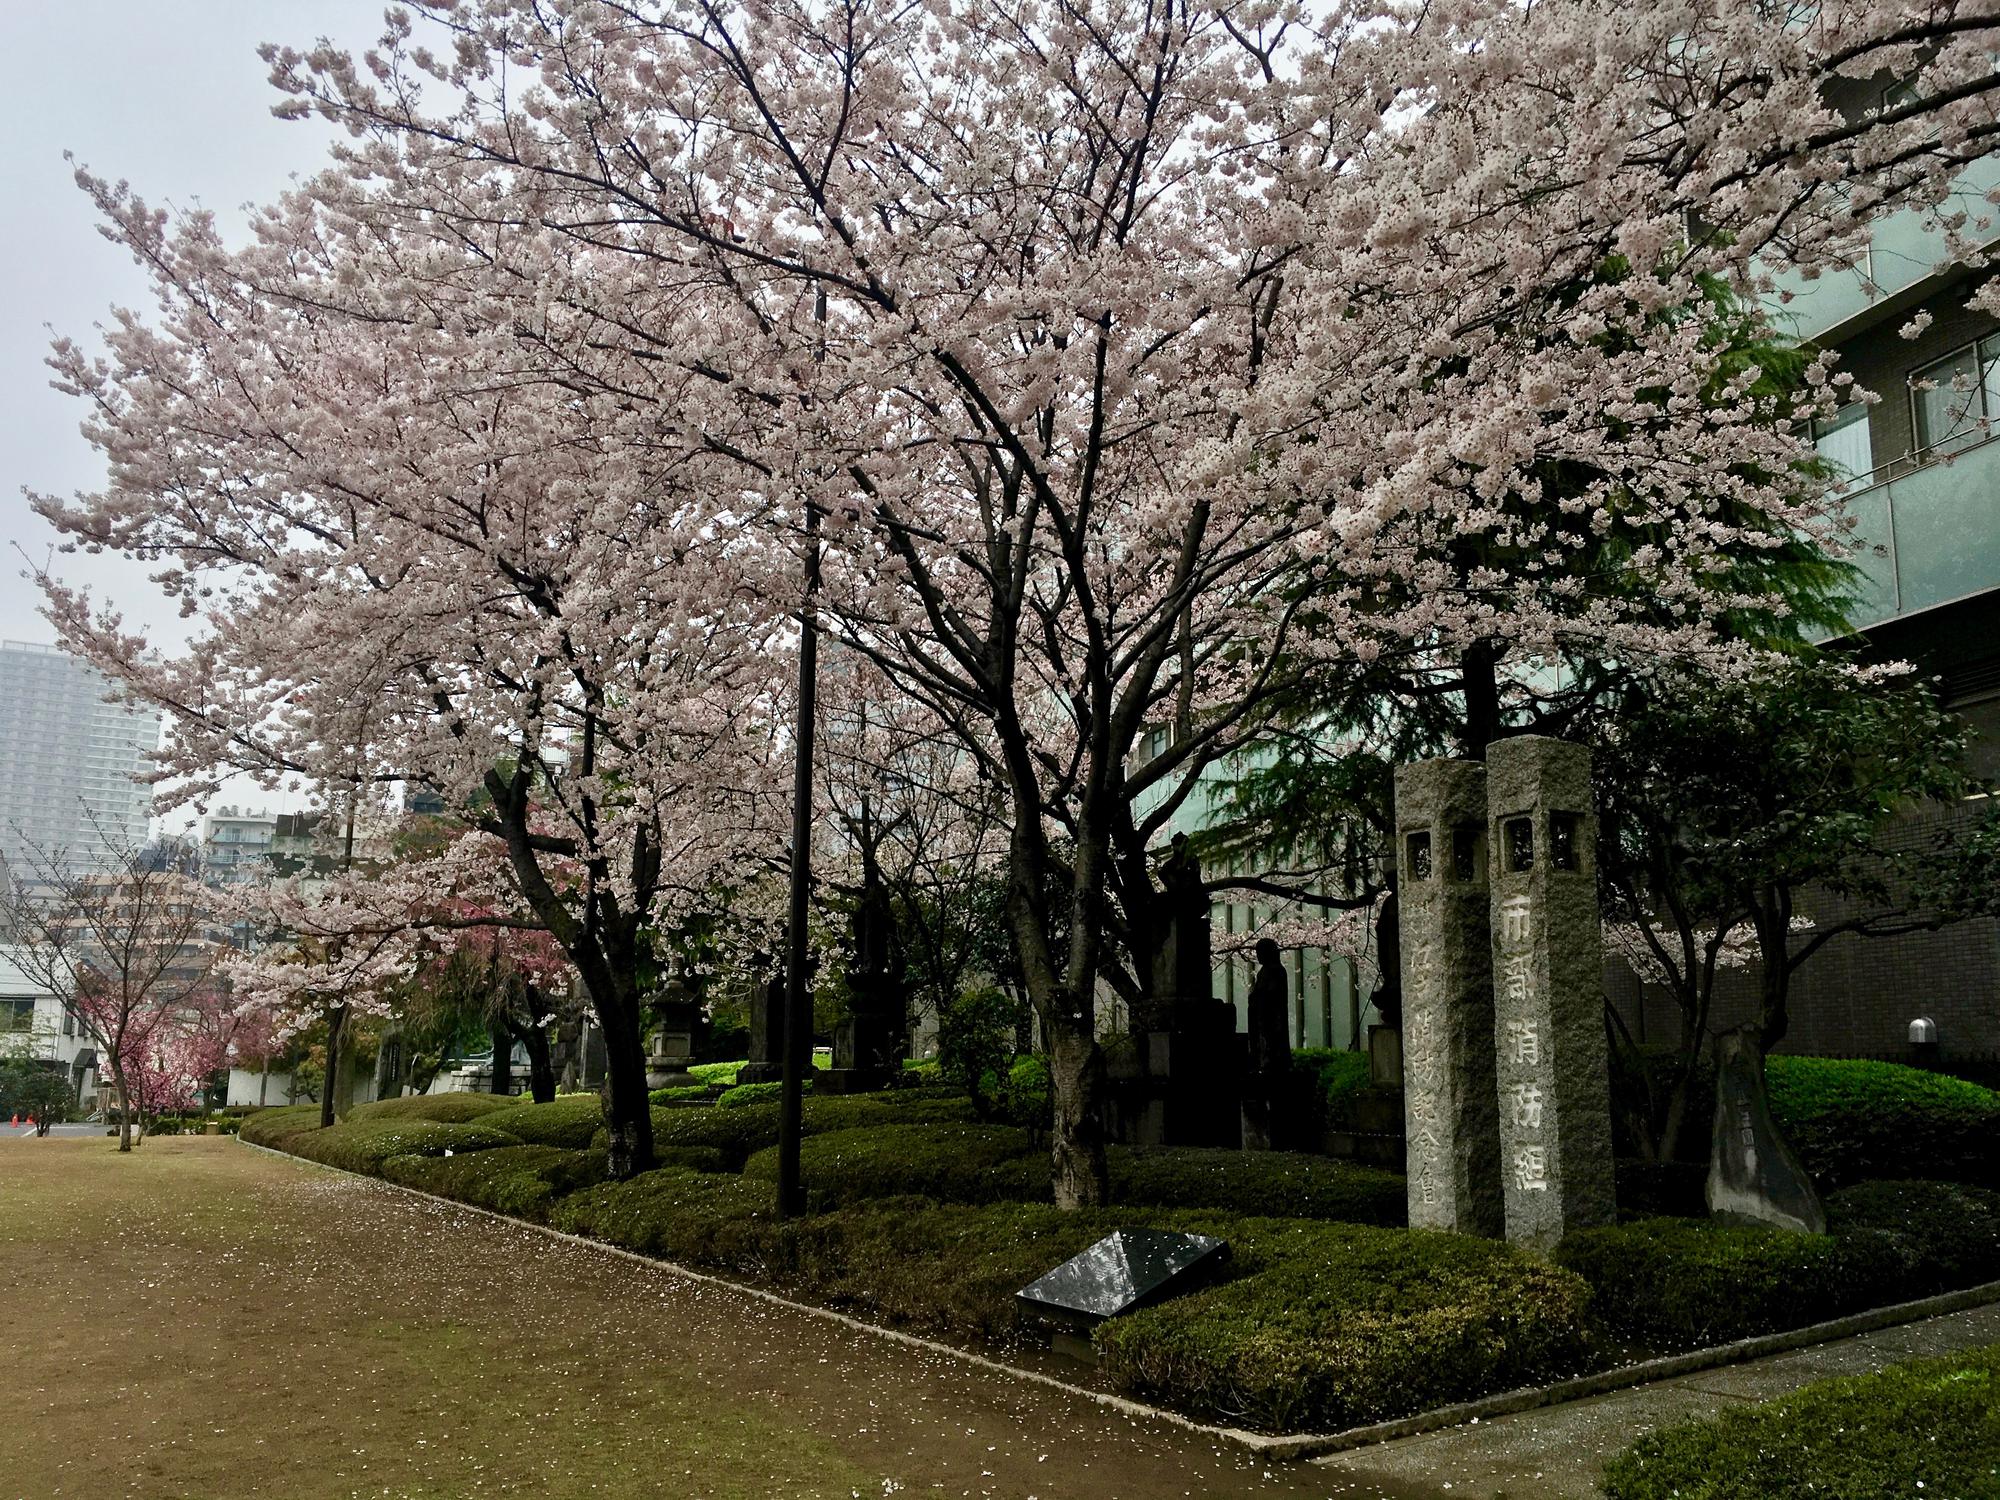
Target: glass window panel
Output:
[(1949, 402), (1843, 441)]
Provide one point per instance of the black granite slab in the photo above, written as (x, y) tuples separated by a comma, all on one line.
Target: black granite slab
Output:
[(1127, 1269)]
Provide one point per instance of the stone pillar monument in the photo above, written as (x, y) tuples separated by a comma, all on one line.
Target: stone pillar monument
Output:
[(1448, 1084), (767, 1025), (1548, 991)]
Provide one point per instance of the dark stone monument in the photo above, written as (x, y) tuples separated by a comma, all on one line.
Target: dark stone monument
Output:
[(1450, 1107), (1553, 1069), (869, 1045), (1268, 1074), (1126, 1270), (767, 1026), (1754, 1176)]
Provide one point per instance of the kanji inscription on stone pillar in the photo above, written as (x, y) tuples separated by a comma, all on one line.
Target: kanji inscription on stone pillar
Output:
[(1551, 1069), (1453, 1139)]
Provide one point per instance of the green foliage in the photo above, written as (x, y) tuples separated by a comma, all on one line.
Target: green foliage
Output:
[(29, 1088), (715, 1072), (754, 1093), (1929, 1427), (450, 1109), (1338, 1324), (951, 1163), (976, 1034), (1668, 1284), (680, 1094), (569, 1121), (1851, 1121), (1946, 1236), (519, 1180), (275, 1127), (1269, 1183), (995, 1164), (739, 1132), (364, 1145)]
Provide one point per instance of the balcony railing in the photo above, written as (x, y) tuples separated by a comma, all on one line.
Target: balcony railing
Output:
[(1938, 530), (1905, 248)]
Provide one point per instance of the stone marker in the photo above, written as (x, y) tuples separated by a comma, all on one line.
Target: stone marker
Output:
[(1754, 1177), (1553, 1070), (1126, 1270), (767, 1028), (1449, 1104)]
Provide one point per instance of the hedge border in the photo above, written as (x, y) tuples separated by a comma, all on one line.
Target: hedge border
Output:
[(1298, 1446)]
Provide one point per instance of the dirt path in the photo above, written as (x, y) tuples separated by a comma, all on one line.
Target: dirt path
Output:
[(203, 1320)]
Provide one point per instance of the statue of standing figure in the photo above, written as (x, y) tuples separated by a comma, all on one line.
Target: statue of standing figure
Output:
[(1270, 1040)]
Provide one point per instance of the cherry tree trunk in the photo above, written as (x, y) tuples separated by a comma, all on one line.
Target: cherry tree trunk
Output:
[(503, 1059), (541, 1064), (628, 1113), (1076, 1134), (124, 1097), (336, 1023)]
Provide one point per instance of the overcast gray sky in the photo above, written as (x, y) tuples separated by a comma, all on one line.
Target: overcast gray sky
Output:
[(170, 95)]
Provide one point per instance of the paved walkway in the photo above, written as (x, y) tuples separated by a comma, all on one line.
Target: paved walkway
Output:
[(1558, 1452)]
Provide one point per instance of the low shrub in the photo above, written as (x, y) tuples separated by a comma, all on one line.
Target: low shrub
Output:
[(698, 1218), (363, 1145), (1340, 1324), (1667, 1284), (680, 1093), (569, 1121), (716, 1072), (951, 1163), (1272, 1184), (519, 1180), (1335, 1071), (1947, 1235), (754, 1093), (1929, 1427), (272, 1127), (1852, 1121), (1002, 1164), (448, 1109)]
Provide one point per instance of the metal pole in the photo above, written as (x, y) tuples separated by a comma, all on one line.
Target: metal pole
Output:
[(798, 1002)]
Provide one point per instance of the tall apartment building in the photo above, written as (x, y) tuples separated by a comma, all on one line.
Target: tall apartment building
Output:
[(1922, 467), (236, 850), (68, 759)]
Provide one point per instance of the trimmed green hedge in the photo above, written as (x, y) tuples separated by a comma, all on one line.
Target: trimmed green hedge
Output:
[(1316, 1325), (1855, 1121), (568, 1121), (519, 1180), (1280, 1184), (951, 1163), (1340, 1324), (1929, 1427), (273, 1127), (1667, 1284), (364, 1145), (1002, 1164), (451, 1109)]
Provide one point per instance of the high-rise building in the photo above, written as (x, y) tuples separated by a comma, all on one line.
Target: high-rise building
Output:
[(68, 763)]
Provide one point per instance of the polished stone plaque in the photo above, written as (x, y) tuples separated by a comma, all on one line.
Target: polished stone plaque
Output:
[(1127, 1269)]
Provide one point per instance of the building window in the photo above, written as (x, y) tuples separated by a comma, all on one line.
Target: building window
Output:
[(1842, 441), (1955, 397), (17, 1016)]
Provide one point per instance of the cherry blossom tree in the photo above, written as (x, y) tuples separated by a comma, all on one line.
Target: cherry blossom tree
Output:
[(123, 949), (417, 558), (1084, 354)]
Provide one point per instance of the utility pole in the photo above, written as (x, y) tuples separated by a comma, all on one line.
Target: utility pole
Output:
[(798, 995)]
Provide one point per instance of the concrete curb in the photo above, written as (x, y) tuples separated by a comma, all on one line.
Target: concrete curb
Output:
[(1301, 1445)]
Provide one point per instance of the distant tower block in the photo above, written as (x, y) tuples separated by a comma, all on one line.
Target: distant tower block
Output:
[(1449, 1110), (1548, 991)]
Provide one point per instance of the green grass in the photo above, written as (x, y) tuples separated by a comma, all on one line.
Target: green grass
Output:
[(1927, 1428)]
